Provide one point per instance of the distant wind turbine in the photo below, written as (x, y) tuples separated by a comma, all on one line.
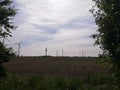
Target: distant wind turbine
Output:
[(46, 50), (19, 46)]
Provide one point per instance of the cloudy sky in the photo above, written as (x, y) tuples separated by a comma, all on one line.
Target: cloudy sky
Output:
[(56, 24)]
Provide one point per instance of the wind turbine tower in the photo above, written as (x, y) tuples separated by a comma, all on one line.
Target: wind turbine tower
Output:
[(62, 52), (46, 51), (19, 46)]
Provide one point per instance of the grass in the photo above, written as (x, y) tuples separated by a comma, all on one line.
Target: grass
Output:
[(21, 82)]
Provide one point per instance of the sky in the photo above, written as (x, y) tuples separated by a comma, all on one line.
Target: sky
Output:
[(60, 25)]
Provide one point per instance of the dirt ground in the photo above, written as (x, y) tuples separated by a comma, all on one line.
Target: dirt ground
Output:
[(56, 66)]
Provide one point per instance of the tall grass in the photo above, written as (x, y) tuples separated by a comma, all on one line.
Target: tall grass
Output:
[(97, 82)]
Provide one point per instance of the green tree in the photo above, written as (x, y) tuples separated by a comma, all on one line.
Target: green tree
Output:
[(107, 18), (7, 13)]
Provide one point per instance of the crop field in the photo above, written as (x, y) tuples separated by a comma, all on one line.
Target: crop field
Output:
[(57, 73), (56, 66)]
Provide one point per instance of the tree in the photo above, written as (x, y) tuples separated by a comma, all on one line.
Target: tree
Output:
[(5, 54), (7, 12), (107, 18)]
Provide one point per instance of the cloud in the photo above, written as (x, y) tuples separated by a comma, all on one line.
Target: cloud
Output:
[(56, 23)]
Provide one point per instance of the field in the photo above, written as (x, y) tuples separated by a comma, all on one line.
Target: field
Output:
[(56, 66), (57, 73)]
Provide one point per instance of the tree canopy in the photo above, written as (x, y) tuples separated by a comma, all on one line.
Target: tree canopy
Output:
[(107, 18), (7, 13)]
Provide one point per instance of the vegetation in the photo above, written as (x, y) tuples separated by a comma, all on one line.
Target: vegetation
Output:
[(107, 18), (16, 82), (53, 73), (5, 54), (7, 12)]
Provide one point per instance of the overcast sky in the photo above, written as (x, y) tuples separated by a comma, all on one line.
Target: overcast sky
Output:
[(55, 24)]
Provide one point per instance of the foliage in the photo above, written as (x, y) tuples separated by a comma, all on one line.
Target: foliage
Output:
[(7, 12), (15, 82), (107, 18), (5, 53), (2, 71)]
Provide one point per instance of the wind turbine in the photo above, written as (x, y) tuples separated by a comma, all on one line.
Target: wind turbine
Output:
[(62, 52), (46, 50), (19, 46)]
